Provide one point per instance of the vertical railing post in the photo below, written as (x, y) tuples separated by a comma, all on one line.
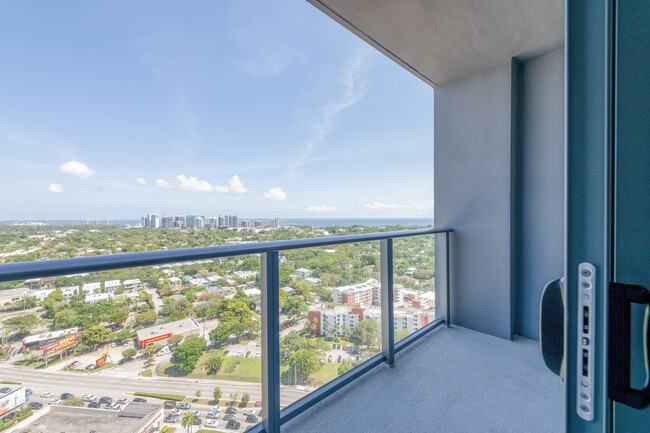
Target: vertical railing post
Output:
[(387, 299), (447, 280), (270, 272)]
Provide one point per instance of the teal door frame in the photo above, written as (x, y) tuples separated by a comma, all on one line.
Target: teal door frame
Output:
[(589, 128)]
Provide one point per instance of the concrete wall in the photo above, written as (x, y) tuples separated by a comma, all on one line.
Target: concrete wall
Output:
[(498, 182), (473, 187), (539, 240)]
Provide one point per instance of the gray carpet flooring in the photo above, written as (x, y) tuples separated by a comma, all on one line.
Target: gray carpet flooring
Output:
[(454, 381)]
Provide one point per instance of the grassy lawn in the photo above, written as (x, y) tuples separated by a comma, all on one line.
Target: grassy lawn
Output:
[(146, 373), (328, 372), (238, 369), (103, 367)]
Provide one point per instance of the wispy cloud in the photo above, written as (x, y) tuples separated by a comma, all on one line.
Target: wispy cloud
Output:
[(275, 194), (323, 208), (55, 188), (425, 205), (35, 139), (140, 181), (76, 168), (161, 183), (235, 186), (353, 85)]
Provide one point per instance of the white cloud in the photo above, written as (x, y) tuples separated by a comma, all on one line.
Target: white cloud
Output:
[(76, 168), (162, 183), (379, 205), (322, 208), (235, 186), (275, 194), (141, 181), (55, 188), (193, 184)]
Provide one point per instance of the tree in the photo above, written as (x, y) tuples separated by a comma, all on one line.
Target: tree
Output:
[(73, 401), (366, 333), (147, 317), (198, 393), (234, 396), (22, 324), (304, 362), (188, 421), (48, 303), (245, 398), (92, 337), (149, 353), (216, 394), (188, 353), (175, 340), (129, 353), (65, 318), (123, 334), (214, 362), (117, 317), (294, 307)]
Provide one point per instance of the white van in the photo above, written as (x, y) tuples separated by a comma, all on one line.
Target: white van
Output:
[(164, 351)]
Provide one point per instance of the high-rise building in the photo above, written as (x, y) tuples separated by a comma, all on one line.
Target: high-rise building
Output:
[(167, 222), (275, 222), (258, 223), (245, 224), (222, 221), (179, 222), (154, 221), (233, 221)]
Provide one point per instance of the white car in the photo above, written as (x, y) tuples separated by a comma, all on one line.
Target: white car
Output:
[(216, 408), (89, 397), (55, 401), (123, 400), (250, 412), (115, 406), (46, 394), (211, 423)]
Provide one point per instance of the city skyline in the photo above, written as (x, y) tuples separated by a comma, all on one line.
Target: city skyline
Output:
[(230, 107)]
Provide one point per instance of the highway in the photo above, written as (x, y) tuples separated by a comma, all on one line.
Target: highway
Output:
[(103, 383)]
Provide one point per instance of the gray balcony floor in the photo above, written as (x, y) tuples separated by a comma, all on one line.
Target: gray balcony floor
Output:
[(453, 380)]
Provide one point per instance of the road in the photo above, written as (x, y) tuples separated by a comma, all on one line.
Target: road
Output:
[(115, 386)]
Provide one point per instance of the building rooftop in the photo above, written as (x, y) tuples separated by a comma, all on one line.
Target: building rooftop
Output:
[(177, 327), (84, 420)]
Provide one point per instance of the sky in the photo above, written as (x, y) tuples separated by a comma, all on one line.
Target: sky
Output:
[(111, 110)]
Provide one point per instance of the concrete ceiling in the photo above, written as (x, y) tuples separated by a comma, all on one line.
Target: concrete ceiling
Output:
[(443, 40)]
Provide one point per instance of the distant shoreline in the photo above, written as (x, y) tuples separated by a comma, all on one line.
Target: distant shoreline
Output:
[(307, 222)]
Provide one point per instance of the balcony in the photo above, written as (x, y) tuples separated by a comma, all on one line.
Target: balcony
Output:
[(452, 380)]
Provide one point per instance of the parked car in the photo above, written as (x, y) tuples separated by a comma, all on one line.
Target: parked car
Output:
[(55, 401), (36, 405), (139, 400), (229, 417), (250, 411), (196, 413), (184, 406), (170, 417), (95, 404), (123, 400), (198, 421), (251, 419), (170, 404), (231, 410), (91, 367), (46, 394), (66, 395), (212, 415), (216, 408), (114, 406), (5, 389), (106, 400), (29, 391), (211, 423), (176, 411), (233, 425), (89, 397)]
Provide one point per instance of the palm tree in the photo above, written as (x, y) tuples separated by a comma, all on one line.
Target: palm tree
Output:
[(188, 421)]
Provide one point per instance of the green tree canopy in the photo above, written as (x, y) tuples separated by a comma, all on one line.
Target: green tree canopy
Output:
[(187, 354)]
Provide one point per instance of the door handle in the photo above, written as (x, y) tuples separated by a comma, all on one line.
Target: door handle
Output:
[(621, 296)]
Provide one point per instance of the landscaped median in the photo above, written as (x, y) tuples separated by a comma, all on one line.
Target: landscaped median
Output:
[(174, 397)]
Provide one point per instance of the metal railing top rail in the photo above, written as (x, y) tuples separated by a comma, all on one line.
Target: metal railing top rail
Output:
[(57, 267)]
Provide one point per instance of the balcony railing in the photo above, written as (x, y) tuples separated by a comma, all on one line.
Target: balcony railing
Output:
[(273, 417)]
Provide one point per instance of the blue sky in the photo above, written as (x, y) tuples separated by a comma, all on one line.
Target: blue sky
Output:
[(259, 108)]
